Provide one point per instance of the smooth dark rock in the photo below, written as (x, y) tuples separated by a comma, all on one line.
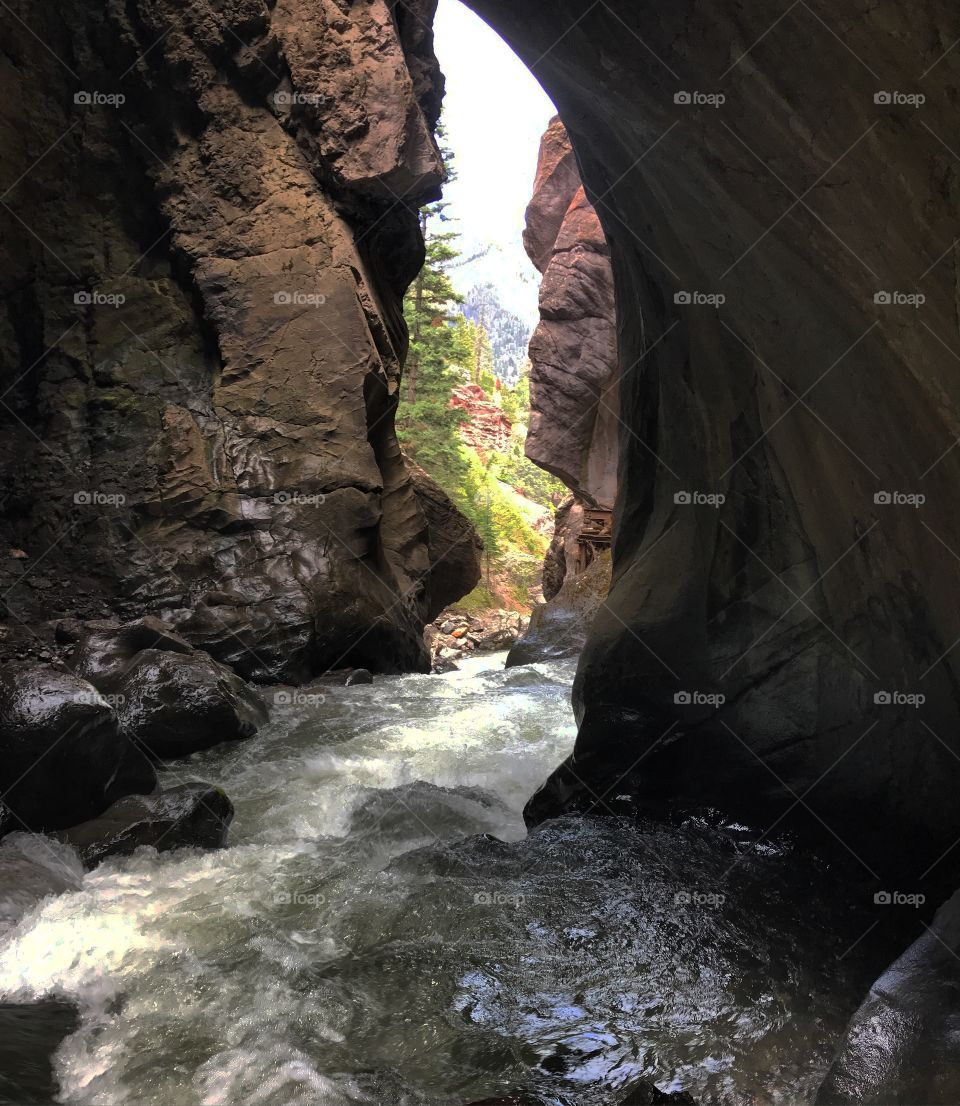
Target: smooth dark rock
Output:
[(902, 1047), (175, 704), (63, 758), (105, 649), (801, 595), (29, 1036), (188, 815)]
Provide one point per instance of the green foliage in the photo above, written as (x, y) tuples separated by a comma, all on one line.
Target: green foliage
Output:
[(516, 469), (447, 350), (515, 401)]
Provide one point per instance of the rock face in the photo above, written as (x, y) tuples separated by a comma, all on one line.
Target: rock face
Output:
[(574, 373), (815, 596), (208, 224), (29, 1036), (902, 1047), (251, 201), (574, 378)]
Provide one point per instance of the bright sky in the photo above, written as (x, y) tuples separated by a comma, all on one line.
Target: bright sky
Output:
[(494, 114)]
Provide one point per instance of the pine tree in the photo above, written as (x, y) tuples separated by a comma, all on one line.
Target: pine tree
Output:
[(439, 357)]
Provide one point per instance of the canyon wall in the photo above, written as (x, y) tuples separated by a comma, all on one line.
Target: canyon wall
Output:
[(208, 225), (574, 399), (574, 394), (779, 188)]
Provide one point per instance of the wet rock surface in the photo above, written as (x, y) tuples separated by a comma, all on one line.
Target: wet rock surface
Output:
[(806, 399), (31, 868), (64, 758), (902, 1045), (172, 705), (187, 815)]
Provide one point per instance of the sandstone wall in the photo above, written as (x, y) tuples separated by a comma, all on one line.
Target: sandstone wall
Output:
[(208, 225), (574, 399)]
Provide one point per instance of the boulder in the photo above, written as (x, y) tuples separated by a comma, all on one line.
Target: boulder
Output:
[(105, 649), (175, 704), (189, 815), (63, 757), (902, 1046), (794, 353)]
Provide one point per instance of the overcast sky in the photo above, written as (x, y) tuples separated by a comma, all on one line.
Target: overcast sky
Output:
[(494, 113)]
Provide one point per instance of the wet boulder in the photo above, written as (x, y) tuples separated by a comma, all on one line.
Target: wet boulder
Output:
[(902, 1046), (190, 815), (173, 704), (106, 649), (63, 757)]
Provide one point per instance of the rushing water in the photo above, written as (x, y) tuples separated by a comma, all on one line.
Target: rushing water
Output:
[(380, 931)]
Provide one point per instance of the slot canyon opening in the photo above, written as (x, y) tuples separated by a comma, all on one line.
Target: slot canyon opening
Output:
[(252, 849), (509, 400)]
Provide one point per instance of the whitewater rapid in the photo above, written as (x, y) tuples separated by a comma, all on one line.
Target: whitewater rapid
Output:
[(381, 930)]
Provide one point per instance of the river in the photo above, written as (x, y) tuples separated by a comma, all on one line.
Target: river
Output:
[(381, 930)]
